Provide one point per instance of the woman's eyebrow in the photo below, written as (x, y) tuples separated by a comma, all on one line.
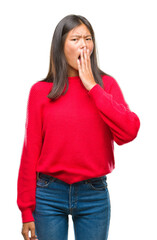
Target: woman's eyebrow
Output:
[(76, 35)]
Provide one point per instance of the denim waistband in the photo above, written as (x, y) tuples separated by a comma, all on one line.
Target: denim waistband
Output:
[(39, 174)]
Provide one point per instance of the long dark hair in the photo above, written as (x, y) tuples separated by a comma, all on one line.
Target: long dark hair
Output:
[(58, 66)]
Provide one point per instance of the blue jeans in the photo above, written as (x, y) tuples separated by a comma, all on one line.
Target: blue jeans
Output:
[(87, 201)]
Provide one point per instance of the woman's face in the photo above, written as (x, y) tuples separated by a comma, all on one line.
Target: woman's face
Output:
[(76, 39)]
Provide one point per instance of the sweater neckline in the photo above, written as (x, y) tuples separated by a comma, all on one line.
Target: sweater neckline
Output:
[(74, 77)]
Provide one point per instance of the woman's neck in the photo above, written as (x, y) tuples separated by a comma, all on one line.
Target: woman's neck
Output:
[(72, 72)]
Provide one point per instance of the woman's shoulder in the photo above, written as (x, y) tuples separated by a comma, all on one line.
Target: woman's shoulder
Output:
[(108, 78), (40, 89), (108, 81), (40, 86)]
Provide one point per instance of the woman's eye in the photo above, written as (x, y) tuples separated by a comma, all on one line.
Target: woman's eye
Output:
[(75, 39)]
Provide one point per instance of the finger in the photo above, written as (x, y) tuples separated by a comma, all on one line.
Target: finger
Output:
[(25, 235), (88, 55), (79, 65), (85, 58), (88, 59), (33, 236), (82, 60)]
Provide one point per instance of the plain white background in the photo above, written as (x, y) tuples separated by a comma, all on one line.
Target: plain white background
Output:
[(127, 49)]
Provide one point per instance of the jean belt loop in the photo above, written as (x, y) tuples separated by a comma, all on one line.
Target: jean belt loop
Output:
[(37, 175)]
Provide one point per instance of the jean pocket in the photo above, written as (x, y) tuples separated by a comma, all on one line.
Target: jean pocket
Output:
[(44, 182), (98, 184)]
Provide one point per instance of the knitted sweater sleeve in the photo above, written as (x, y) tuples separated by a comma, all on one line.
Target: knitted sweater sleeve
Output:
[(26, 183), (123, 123)]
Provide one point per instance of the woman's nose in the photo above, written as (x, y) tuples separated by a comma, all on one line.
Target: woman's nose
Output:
[(83, 43)]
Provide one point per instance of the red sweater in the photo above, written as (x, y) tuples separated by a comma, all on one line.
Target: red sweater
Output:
[(72, 138)]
